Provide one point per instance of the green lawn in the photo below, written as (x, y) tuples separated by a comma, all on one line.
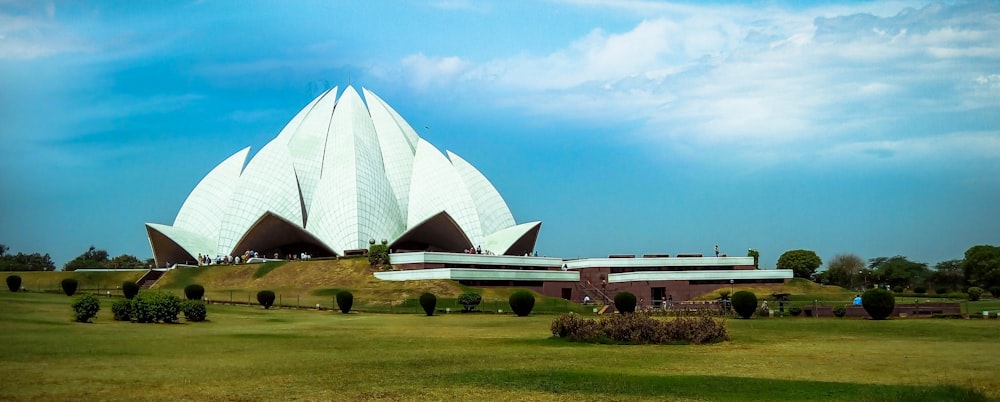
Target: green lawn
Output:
[(247, 353)]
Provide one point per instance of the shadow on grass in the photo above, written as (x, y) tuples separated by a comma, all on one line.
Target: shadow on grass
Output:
[(706, 387)]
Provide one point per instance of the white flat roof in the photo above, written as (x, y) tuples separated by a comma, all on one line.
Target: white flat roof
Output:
[(479, 274), (473, 259), (700, 275)]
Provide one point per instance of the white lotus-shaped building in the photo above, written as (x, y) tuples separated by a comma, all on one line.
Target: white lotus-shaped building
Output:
[(337, 176)]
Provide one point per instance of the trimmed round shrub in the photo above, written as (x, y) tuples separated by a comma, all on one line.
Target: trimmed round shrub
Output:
[(897, 289), (194, 291), (428, 301), (995, 291), (122, 309), (878, 303), (919, 290), (194, 310), (14, 283), (85, 307), (839, 311), (155, 307), (266, 298), (625, 302), (469, 300), (940, 290), (744, 303), (130, 289), (69, 286), (521, 302), (975, 293), (794, 311), (345, 300)]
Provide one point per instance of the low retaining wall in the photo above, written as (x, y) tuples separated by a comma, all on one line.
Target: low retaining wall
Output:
[(911, 310)]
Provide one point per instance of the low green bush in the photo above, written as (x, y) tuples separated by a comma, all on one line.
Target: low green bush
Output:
[(640, 328), (795, 311), (919, 290), (995, 291), (194, 310), (130, 289), (265, 298), (975, 293), (14, 283), (839, 311), (122, 309), (151, 307), (625, 302), (345, 300), (469, 301), (744, 303), (940, 290), (428, 302), (85, 307), (897, 289), (878, 303), (194, 291), (521, 302), (69, 286)]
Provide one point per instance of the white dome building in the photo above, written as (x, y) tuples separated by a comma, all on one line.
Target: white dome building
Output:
[(337, 176)]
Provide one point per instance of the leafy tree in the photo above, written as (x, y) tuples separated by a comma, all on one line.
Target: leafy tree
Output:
[(803, 263), (378, 255), (982, 266), (948, 274), (756, 256), (92, 258), (125, 261), (844, 270), (24, 262), (898, 271)]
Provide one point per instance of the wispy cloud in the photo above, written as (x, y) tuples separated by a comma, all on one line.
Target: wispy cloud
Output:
[(747, 80)]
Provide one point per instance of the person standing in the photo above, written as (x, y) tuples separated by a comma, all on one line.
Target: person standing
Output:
[(716, 250)]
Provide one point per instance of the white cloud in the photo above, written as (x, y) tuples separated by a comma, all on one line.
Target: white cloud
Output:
[(701, 78)]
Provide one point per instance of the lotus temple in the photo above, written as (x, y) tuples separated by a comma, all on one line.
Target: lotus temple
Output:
[(348, 172)]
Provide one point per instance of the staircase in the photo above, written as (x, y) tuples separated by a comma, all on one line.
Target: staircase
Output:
[(149, 278), (598, 296)]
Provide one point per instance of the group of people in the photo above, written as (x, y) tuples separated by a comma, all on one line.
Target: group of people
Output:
[(246, 256)]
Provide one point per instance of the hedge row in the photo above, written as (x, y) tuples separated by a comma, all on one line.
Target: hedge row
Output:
[(640, 328)]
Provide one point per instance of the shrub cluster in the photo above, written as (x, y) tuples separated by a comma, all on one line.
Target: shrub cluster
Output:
[(428, 301), (130, 289), (155, 307), (975, 293), (744, 303), (521, 302), (194, 291), (995, 291), (345, 300), (14, 283), (469, 300), (122, 309), (625, 302), (265, 298), (839, 311), (878, 303), (795, 311), (194, 310), (640, 328), (85, 307), (69, 286)]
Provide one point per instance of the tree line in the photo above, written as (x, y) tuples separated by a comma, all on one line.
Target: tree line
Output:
[(92, 258), (979, 268)]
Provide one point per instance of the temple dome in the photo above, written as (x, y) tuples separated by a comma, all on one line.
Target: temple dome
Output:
[(340, 174)]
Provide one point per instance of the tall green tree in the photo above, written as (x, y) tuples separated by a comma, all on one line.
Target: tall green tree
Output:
[(844, 270), (898, 271), (949, 274), (803, 263), (24, 262), (92, 258), (982, 266), (125, 261)]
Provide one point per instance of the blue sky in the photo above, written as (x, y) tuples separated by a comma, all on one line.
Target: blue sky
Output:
[(870, 128)]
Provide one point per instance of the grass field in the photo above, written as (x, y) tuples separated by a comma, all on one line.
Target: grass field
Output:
[(247, 353)]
